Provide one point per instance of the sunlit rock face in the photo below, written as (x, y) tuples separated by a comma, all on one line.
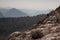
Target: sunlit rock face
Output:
[(15, 36), (50, 30), (44, 32)]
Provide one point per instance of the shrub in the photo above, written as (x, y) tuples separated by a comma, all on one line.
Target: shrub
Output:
[(36, 34)]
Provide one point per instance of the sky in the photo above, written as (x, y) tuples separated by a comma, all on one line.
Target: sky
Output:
[(30, 4)]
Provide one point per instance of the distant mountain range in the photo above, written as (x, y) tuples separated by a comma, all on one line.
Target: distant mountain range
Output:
[(13, 12), (34, 12), (1, 15)]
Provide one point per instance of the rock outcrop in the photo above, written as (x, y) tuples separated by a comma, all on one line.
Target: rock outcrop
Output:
[(49, 29)]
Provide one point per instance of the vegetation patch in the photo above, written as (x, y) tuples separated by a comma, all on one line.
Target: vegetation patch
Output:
[(37, 35)]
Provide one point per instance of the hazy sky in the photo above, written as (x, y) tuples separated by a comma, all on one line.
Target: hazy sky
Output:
[(30, 4)]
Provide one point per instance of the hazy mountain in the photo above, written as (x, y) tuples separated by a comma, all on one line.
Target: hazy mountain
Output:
[(3, 10), (1, 15), (34, 12), (14, 13)]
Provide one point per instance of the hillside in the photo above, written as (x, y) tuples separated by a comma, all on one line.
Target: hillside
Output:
[(12, 24), (48, 29)]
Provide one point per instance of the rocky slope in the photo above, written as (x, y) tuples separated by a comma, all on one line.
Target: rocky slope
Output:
[(48, 29)]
